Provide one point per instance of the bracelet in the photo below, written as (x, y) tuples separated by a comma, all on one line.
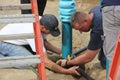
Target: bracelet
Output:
[(66, 64)]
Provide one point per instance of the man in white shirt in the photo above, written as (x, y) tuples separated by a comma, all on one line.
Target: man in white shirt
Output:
[(49, 25)]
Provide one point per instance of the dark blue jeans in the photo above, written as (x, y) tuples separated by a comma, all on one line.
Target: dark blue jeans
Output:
[(102, 58)]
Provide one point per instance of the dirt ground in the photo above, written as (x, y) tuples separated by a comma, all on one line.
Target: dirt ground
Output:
[(93, 68)]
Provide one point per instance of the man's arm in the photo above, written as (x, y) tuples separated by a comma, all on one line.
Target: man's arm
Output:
[(54, 67), (50, 47), (84, 58), (81, 59)]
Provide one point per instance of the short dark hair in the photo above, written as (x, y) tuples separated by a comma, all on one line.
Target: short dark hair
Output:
[(77, 17)]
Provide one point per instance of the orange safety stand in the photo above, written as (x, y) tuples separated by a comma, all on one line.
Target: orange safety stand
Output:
[(38, 41), (31, 18), (114, 71)]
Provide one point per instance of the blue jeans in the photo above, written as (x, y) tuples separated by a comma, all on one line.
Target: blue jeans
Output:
[(8, 49)]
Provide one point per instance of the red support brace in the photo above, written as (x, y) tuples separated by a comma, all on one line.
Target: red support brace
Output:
[(38, 41), (114, 71)]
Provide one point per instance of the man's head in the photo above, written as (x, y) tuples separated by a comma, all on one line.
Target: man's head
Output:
[(50, 24), (81, 21)]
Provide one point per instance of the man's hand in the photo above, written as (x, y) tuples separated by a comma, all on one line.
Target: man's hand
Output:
[(73, 70), (62, 62)]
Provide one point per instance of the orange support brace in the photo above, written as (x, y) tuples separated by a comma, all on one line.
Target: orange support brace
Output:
[(114, 71), (38, 41)]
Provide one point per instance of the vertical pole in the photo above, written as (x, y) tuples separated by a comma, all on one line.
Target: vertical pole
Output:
[(67, 8), (100, 2), (38, 41), (66, 39)]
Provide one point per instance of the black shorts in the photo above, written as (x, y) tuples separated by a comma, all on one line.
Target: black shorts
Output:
[(41, 6)]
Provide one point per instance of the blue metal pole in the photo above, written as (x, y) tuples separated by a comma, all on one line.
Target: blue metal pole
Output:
[(100, 1), (66, 39), (67, 8)]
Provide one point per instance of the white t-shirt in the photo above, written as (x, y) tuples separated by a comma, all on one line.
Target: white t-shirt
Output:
[(20, 28)]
